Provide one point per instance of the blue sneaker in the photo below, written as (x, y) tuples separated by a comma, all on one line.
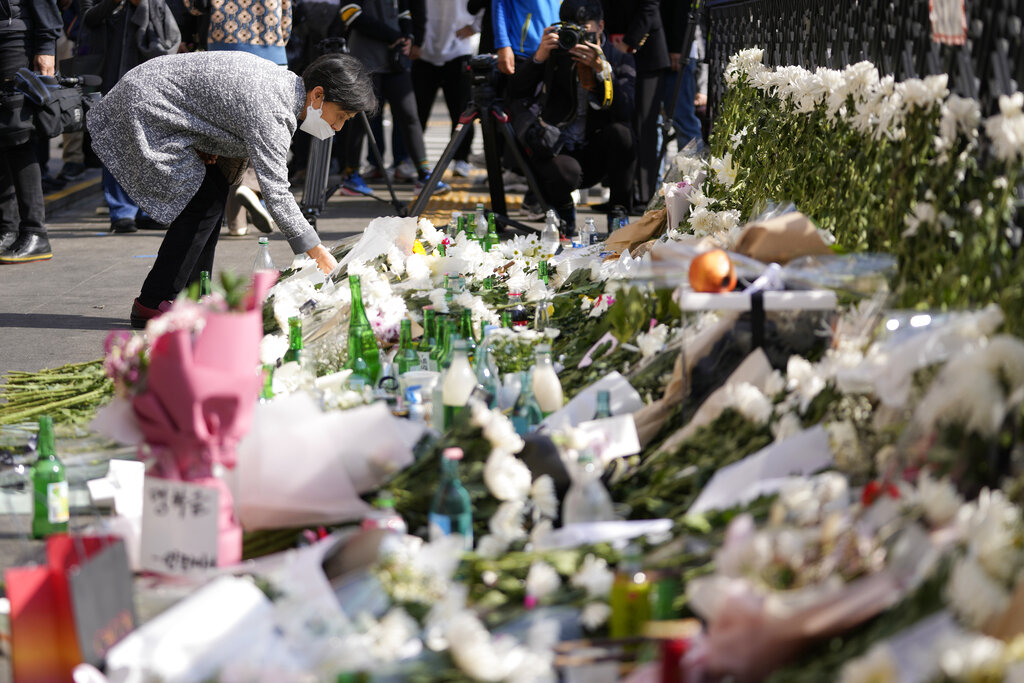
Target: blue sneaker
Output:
[(353, 185), (441, 188)]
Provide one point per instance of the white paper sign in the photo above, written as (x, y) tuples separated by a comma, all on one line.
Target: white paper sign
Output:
[(179, 527), (613, 437)]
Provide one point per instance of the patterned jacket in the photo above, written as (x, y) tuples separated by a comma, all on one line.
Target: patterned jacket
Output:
[(260, 27), (148, 129)]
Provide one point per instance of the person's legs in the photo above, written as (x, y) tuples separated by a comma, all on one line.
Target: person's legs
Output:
[(645, 125), (684, 117), (557, 178), (426, 79), (456, 88), (23, 165), (9, 216), (609, 152), (120, 204), (397, 90), (189, 244)]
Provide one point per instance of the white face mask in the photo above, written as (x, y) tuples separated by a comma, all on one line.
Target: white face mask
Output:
[(315, 125)]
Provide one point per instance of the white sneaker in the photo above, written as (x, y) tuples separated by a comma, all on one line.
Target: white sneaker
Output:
[(258, 214), (406, 172), (462, 169)]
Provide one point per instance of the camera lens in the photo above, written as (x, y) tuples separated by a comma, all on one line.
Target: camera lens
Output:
[(568, 38)]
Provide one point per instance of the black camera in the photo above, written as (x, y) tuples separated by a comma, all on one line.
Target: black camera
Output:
[(570, 35), (483, 69)]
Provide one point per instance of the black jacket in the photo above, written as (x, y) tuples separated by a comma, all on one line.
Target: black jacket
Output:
[(639, 21), (30, 24)]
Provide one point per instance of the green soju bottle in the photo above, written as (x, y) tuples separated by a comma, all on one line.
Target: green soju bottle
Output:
[(361, 372), (542, 271), (437, 353), (492, 233), (604, 402), (367, 340), (451, 511), (427, 341), (204, 283), (526, 413), (406, 358), (49, 486), (466, 332), (267, 392), (294, 352), (451, 334)]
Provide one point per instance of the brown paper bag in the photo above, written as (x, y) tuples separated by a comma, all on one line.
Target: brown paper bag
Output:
[(781, 239), (650, 225), (1009, 624)]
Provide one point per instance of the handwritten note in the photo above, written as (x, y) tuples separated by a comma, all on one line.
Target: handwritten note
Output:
[(179, 526)]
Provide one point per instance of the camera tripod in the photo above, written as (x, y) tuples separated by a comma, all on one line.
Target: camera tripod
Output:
[(487, 107)]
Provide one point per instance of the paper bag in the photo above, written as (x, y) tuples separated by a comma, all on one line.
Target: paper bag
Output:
[(73, 609), (650, 225), (781, 239)]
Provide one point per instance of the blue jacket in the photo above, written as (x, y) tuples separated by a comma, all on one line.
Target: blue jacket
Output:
[(519, 24)]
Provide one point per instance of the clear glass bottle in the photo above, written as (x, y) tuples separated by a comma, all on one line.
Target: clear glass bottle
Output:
[(517, 311), (549, 236), (454, 224), (294, 352), (526, 414), (50, 511), (426, 344), (384, 516), (457, 384), (546, 385), (604, 403), (587, 500), (263, 260), (451, 511), (406, 358), (358, 321), (486, 372)]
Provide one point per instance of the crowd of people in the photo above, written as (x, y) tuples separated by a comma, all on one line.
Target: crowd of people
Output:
[(584, 82)]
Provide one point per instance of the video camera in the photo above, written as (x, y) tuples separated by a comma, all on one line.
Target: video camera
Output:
[(58, 103), (570, 35)]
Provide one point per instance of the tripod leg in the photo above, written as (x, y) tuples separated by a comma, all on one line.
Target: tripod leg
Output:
[(510, 140), (318, 165), (372, 144), (461, 131), (495, 184)]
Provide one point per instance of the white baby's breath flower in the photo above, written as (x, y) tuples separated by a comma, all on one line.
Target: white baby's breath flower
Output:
[(544, 496), (594, 615), (652, 342), (507, 523), (748, 400), (593, 576), (272, 348), (542, 580), (506, 476), (877, 666), (922, 213), (972, 593), (845, 444), (939, 498)]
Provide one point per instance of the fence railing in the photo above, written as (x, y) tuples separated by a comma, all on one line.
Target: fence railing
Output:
[(895, 35)]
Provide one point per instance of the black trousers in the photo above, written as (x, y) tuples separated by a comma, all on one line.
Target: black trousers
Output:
[(190, 242), (645, 126), (607, 152), (21, 181), (453, 80), (396, 89)]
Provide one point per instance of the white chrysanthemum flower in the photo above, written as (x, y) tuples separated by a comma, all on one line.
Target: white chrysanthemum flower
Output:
[(860, 78), (972, 657), (477, 654), (437, 300), (542, 580), (652, 342), (1006, 129), (594, 576), (428, 233), (497, 428), (544, 496), (726, 220), (960, 116), (417, 268), (877, 666), (391, 637), (272, 348), (972, 593), (992, 525), (725, 171), (594, 615), (702, 221), (787, 426), (540, 530), (748, 401), (491, 547), (507, 522), (737, 137), (922, 213), (289, 378), (396, 260), (804, 380), (601, 305), (506, 476), (698, 199), (939, 499)]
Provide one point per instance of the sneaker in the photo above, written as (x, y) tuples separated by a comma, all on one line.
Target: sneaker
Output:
[(71, 171), (441, 188), (462, 169), (258, 213), (373, 173), (531, 211), (406, 172), (353, 185), (141, 315), (123, 226), (27, 248)]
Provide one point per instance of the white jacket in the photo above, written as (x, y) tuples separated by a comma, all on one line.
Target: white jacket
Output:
[(444, 18)]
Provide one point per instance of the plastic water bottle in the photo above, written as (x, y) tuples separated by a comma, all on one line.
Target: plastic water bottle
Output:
[(480, 229), (549, 237), (384, 516), (590, 232), (587, 500), (263, 260)]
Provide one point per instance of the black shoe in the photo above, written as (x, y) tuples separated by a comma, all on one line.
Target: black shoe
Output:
[(71, 171), (7, 239), (148, 223), (123, 225), (29, 247), (53, 184)]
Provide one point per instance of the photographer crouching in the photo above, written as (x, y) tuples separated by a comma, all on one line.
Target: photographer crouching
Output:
[(571, 106)]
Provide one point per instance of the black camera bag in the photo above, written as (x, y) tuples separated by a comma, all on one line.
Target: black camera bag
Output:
[(16, 122)]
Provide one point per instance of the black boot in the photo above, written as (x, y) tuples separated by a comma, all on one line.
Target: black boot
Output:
[(31, 246)]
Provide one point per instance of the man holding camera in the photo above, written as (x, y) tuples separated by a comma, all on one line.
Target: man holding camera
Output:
[(571, 105), (28, 39)]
